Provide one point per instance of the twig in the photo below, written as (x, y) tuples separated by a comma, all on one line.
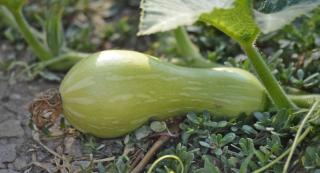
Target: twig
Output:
[(295, 142), (152, 151), (49, 150), (169, 134), (108, 159), (138, 156), (40, 165)]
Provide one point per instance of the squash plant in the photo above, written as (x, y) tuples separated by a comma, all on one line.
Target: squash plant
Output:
[(234, 17), (237, 19), (243, 24), (86, 88)]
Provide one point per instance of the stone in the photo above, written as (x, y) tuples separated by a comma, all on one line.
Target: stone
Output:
[(7, 153), (15, 96), (7, 171), (72, 147), (3, 141), (4, 114), (11, 128), (10, 166), (17, 141), (20, 163), (77, 165)]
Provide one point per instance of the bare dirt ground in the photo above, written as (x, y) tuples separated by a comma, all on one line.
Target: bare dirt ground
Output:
[(20, 150), (16, 144)]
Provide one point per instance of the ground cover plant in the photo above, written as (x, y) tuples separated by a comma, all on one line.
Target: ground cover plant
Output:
[(281, 138)]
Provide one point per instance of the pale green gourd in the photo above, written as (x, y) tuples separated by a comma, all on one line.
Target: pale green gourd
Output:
[(113, 92)]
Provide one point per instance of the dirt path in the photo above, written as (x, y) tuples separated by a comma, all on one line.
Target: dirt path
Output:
[(15, 135)]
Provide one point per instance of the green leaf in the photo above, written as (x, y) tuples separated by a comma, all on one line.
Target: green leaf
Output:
[(237, 22), (54, 29), (205, 144), (158, 126), (7, 18), (222, 124), (50, 76), (260, 155), (248, 129), (209, 167), (13, 4), (142, 132), (193, 117), (185, 155), (211, 124), (245, 164), (274, 143), (278, 13), (122, 164), (247, 146), (160, 15), (311, 158), (218, 151), (216, 139), (101, 168), (227, 139)]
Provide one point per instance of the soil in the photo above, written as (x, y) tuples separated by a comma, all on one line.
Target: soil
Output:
[(20, 149), (17, 146)]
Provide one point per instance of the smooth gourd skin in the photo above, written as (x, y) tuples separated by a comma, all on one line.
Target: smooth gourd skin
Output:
[(113, 92)]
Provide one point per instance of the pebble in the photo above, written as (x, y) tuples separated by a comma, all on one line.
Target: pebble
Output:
[(72, 147), (77, 165), (20, 163), (15, 97), (11, 128), (4, 114), (7, 153), (10, 166)]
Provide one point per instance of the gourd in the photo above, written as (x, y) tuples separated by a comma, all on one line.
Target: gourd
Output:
[(113, 92)]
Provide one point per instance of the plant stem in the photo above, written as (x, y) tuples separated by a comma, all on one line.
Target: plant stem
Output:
[(7, 17), (305, 100), (295, 142), (154, 164), (41, 52), (301, 138), (64, 61), (274, 89), (189, 50)]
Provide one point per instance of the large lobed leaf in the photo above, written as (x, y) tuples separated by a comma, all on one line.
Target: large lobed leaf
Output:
[(277, 13), (234, 17), (236, 22), (164, 15)]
